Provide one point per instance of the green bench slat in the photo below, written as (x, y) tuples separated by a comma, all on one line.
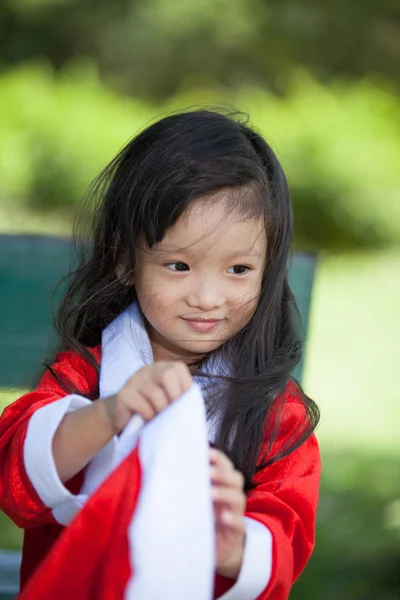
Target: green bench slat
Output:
[(10, 563), (30, 266)]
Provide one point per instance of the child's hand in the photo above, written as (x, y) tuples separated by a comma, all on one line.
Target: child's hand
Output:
[(147, 393), (229, 502)]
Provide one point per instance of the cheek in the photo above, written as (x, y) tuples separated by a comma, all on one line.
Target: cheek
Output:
[(148, 284), (247, 298), (157, 287), (149, 298), (244, 304), (154, 295)]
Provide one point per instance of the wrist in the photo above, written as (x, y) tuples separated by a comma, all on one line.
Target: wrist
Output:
[(108, 406), (232, 566)]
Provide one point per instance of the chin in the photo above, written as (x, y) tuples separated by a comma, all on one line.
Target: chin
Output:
[(201, 347)]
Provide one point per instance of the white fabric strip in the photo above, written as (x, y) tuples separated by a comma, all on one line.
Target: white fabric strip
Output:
[(39, 461), (126, 348), (171, 535), (256, 568)]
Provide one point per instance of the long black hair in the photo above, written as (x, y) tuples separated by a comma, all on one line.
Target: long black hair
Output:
[(140, 194)]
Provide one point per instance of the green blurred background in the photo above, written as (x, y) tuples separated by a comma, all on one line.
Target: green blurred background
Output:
[(78, 78)]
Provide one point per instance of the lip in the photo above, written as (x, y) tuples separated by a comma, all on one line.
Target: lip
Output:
[(202, 324)]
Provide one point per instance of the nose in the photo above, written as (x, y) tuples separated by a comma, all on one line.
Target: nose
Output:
[(205, 294)]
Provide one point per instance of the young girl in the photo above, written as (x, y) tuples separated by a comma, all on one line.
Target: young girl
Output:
[(188, 256)]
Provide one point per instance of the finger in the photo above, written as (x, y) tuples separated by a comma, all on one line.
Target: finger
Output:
[(184, 376), (144, 408), (232, 479), (166, 374), (181, 378), (232, 521), (220, 460), (156, 396), (170, 383), (230, 498)]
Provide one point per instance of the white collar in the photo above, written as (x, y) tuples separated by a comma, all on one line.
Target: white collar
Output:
[(125, 349)]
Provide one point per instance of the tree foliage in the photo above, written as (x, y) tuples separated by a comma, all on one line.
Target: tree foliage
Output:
[(338, 144), (151, 48)]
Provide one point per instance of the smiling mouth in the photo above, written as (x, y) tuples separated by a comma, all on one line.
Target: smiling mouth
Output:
[(202, 324)]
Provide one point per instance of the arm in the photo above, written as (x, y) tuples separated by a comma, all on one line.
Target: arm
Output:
[(79, 437), (26, 430), (55, 438), (280, 521)]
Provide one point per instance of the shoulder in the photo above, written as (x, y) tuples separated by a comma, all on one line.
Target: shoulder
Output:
[(77, 361), (292, 392), (290, 422), (289, 407), (72, 369)]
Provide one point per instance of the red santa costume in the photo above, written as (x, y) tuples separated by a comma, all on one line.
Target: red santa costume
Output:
[(139, 516)]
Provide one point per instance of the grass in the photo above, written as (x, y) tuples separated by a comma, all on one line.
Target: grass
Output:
[(352, 356)]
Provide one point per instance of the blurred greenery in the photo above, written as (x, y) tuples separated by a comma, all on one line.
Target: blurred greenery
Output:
[(148, 48), (338, 144), (357, 555)]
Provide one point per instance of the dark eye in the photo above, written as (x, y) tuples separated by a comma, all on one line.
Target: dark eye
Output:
[(238, 269), (177, 266)]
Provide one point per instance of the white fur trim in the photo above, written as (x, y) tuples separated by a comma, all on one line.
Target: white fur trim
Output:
[(126, 348), (41, 468), (100, 467), (171, 534), (39, 460), (256, 568)]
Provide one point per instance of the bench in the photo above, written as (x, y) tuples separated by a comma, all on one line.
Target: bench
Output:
[(30, 266)]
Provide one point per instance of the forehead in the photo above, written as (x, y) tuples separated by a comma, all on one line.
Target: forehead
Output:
[(212, 223)]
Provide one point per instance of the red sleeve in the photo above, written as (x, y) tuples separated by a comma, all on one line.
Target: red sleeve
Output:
[(18, 498), (285, 501)]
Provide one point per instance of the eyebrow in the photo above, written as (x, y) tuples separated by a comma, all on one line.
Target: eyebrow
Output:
[(174, 250), (234, 254), (245, 253)]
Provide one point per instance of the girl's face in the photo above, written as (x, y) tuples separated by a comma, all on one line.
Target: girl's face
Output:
[(200, 285)]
